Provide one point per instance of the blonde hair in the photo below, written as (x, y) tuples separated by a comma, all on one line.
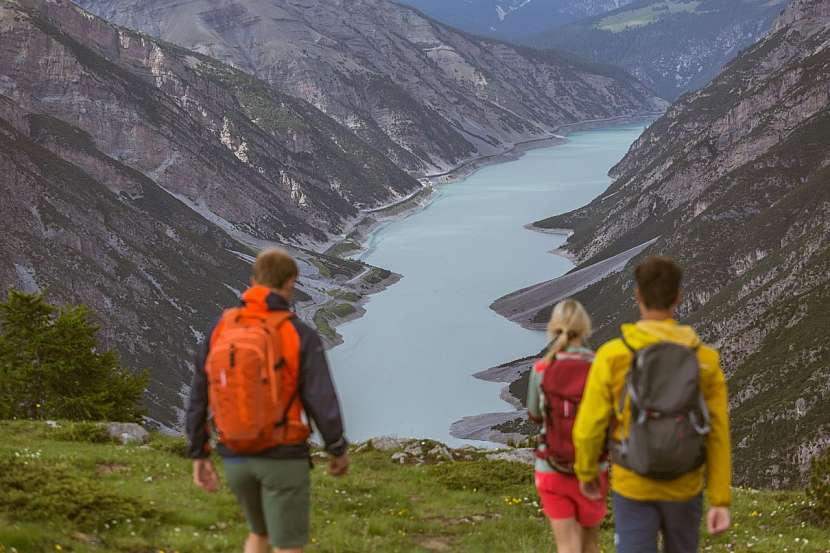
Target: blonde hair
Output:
[(274, 267), (568, 322)]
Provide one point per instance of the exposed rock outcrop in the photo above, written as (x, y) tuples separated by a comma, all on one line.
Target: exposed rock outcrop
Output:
[(427, 96)]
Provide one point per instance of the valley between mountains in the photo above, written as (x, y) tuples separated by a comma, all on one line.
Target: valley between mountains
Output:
[(140, 177), (732, 181), (148, 150)]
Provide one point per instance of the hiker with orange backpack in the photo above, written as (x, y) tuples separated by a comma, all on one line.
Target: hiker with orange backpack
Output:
[(663, 393), (554, 394), (261, 371)]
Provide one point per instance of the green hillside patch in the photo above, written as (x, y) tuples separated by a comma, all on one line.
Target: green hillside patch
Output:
[(60, 495), (329, 312), (343, 249), (647, 15)]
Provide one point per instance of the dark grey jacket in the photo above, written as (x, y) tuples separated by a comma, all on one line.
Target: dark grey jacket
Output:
[(317, 395)]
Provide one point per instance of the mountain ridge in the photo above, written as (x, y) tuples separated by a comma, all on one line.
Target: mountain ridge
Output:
[(673, 46), (731, 181), (512, 19), (427, 96)]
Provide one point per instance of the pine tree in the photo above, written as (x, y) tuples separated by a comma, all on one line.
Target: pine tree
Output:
[(51, 366)]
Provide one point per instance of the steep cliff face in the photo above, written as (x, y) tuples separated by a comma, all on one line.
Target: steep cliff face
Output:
[(733, 182), (427, 96), (154, 271), (673, 46), (136, 176), (512, 19), (254, 160)]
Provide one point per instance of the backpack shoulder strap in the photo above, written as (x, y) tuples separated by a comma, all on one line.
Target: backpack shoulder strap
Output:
[(276, 318), (627, 388)]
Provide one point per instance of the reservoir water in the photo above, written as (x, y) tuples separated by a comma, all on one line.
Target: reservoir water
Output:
[(405, 368)]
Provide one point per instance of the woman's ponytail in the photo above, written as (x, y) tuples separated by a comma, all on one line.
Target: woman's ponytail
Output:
[(568, 322)]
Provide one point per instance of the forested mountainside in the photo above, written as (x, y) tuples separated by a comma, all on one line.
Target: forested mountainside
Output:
[(425, 95), (512, 19), (136, 174), (673, 46), (734, 182)]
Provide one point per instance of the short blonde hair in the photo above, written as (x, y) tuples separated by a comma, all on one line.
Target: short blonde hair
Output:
[(274, 267), (568, 321)]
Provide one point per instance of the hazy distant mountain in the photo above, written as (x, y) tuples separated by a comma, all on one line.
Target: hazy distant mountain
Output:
[(129, 168), (512, 19), (734, 182), (425, 95), (671, 45)]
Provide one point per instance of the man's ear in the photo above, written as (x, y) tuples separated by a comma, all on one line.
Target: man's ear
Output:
[(287, 289), (637, 295)]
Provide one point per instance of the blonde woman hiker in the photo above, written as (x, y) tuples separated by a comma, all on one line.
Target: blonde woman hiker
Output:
[(555, 390)]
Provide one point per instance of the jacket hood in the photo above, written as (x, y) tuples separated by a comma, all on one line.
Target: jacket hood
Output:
[(645, 333), (262, 298)]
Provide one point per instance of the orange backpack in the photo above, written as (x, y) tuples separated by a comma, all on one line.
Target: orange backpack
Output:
[(252, 370)]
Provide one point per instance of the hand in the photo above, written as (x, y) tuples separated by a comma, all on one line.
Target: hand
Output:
[(590, 490), (204, 475), (339, 466), (718, 520)]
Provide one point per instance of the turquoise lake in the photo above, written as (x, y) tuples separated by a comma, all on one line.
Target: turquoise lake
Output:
[(405, 367)]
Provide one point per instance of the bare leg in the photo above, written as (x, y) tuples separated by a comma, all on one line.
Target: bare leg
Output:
[(568, 535), (256, 544), (590, 540)]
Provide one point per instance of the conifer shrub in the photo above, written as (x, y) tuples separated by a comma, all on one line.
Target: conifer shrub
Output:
[(32, 489), (818, 489), (52, 366)]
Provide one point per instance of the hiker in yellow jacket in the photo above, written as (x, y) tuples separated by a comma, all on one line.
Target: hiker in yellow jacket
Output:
[(644, 506)]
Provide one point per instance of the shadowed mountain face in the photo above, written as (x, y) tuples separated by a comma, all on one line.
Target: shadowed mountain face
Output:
[(262, 162), (425, 95), (134, 173), (733, 182), (673, 46), (512, 19), (154, 270)]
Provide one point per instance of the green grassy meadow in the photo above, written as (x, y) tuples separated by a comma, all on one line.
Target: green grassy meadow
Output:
[(71, 489)]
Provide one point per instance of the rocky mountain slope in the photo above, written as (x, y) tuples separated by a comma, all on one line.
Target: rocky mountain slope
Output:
[(733, 182), (673, 46), (138, 178), (425, 95), (512, 19)]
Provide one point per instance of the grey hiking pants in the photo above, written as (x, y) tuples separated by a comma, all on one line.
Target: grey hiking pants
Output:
[(638, 524)]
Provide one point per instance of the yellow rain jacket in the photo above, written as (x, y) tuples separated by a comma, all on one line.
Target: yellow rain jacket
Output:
[(599, 405)]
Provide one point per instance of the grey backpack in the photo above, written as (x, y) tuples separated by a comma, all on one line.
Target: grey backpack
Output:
[(666, 434)]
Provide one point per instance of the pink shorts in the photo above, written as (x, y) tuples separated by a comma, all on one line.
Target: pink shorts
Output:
[(561, 498)]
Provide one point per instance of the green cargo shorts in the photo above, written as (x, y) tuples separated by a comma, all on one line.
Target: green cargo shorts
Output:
[(275, 495)]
